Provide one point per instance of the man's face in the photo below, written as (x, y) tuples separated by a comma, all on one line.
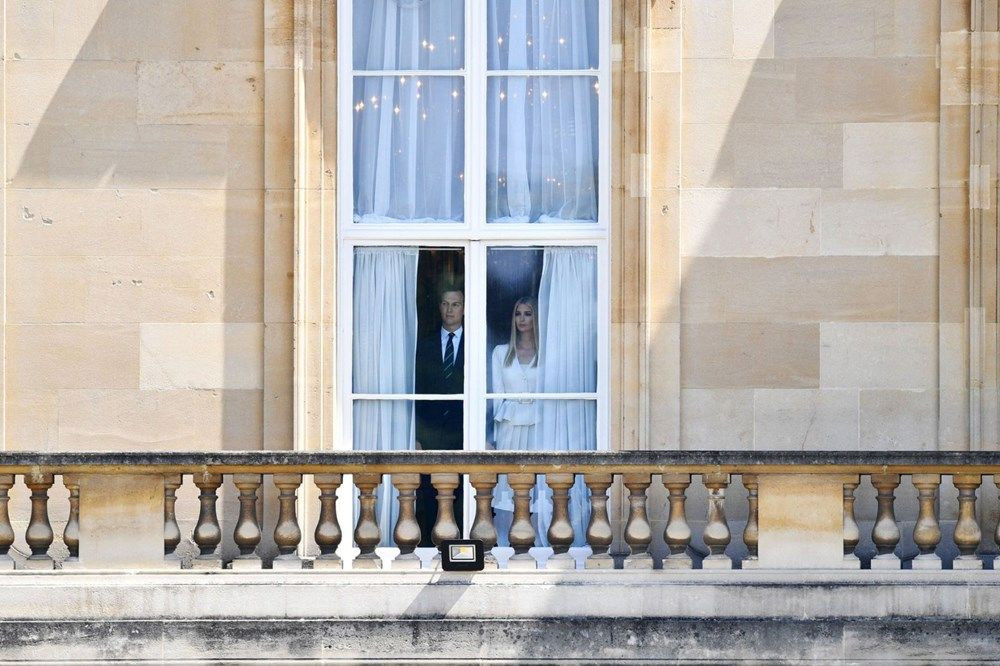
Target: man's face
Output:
[(452, 308)]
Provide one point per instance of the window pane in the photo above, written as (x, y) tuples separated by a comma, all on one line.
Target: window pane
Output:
[(543, 34), (542, 149), (383, 425), (408, 149), (541, 312), (408, 34), (400, 325)]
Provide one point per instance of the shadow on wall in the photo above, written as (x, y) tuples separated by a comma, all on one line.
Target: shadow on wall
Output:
[(135, 231), (809, 229)]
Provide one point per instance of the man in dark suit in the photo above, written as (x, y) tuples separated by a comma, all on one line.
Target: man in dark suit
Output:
[(440, 369)]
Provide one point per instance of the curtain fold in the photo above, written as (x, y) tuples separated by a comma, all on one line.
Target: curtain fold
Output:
[(567, 363), (542, 137), (385, 342)]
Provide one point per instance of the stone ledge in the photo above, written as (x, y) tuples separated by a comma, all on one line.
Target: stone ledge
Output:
[(349, 595), (570, 640)]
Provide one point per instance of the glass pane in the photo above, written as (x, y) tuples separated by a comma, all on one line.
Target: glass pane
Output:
[(406, 302), (383, 425), (542, 149), (541, 313), (408, 34), (543, 34), (408, 149)]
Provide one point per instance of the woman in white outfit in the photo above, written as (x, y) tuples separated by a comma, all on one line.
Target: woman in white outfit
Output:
[(515, 370)]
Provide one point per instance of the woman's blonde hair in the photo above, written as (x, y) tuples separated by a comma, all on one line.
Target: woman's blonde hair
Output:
[(512, 347)]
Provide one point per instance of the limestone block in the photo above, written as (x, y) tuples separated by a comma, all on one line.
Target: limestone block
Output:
[(161, 222), (801, 521), (708, 29), (278, 386), (253, 563), (165, 420), (956, 15), (816, 28), (279, 22), (734, 355), (201, 356), (171, 156), (753, 31), (787, 155), (130, 289), (664, 386), (918, 282), (279, 260), (909, 27), (663, 130), (806, 420), (279, 126), (70, 92), (664, 15), (664, 49), (811, 289), (723, 91), (121, 522), (131, 30), (31, 420), (858, 90), (878, 222), (887, 155), (706, 155), (879, 355), (72, 356), (750, 222), (716, 419), (956, 83), (664, 274), (203, 93), (898, 420)]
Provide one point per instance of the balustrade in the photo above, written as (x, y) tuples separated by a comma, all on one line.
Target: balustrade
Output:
[(634, 528)]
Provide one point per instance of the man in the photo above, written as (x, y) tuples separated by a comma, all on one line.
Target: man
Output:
[(440, 369)]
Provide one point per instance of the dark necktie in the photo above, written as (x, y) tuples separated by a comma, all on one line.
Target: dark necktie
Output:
[(449, 357)]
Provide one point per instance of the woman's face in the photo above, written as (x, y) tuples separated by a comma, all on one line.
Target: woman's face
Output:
[(524, 318)]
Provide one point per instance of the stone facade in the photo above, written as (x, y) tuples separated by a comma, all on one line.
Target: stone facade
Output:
[(798, 259)]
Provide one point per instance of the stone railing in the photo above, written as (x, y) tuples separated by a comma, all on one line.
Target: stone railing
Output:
[(800, 506)]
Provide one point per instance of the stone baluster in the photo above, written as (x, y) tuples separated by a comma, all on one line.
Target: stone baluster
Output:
[(638, 532), (71, 534), (445, 526), (852, 533), (483, 527), (677, 534), (996, 533), (967, 532), (171, 530), (885, 532), (716, 535), (599, 532), (751, 533), (367, 533), (927, 531), (207, 533), (287, 534), (522, 532), (560, 529), (247, 534), (6, 529), (39, 534), (328, 534), (407, 532)]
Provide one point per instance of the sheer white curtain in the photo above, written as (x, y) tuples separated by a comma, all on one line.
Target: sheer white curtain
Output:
[(542, 141), (385, 343), (567, 363), (408, 130)]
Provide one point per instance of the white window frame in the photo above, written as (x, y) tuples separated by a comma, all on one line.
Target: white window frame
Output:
[(473, 234)]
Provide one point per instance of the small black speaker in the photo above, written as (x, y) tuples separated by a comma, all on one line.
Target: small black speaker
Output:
[(462, 555)]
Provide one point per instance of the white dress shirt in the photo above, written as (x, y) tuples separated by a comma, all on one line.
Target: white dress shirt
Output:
[(455, 341)]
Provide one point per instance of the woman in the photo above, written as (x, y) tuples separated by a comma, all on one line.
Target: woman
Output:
[(515, 370)]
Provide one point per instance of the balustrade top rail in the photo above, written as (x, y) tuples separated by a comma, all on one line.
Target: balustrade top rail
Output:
[(347, 462)]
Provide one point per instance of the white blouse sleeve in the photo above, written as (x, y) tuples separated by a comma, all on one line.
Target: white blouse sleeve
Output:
[(498, 355)]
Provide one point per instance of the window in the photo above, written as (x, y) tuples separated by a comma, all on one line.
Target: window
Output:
[(474, 231)]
